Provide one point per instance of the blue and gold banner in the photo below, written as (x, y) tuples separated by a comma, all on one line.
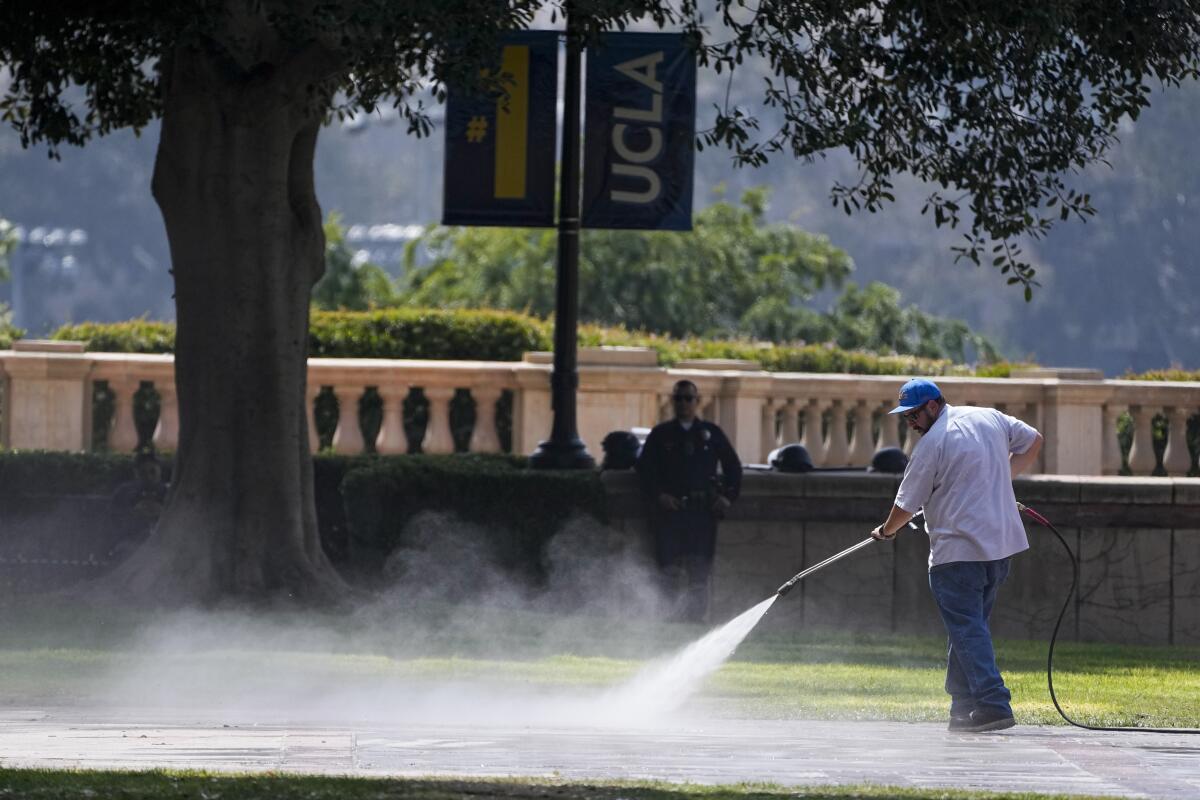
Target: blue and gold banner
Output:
[(641, 122), (499, 167)]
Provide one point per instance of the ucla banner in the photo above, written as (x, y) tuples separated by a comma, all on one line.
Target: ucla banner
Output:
[(499, 167), (641, 120)]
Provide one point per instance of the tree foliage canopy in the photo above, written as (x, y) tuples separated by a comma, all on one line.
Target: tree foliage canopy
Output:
[(991, 102), (994, 103)]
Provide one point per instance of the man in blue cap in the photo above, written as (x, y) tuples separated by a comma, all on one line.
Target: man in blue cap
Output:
[(961, 475)]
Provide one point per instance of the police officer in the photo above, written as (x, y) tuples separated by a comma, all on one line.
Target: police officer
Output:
[(678, 473)]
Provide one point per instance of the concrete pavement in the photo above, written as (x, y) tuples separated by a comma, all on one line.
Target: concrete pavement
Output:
[(1025, 758)]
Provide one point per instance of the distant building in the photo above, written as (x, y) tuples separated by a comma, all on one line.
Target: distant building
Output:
[(383, 245), (46, 268), (65, 274)]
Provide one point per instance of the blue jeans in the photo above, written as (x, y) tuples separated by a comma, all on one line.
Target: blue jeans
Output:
[(965, 592)]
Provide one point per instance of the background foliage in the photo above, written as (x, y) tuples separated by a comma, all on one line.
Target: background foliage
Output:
[(8, 243), (505, 336), (733, 276), (348, 284)]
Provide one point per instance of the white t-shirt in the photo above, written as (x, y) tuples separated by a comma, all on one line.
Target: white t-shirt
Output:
[(960, 474)]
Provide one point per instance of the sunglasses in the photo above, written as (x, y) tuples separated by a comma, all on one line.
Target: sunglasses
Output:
[(684, 398), (911, 416)]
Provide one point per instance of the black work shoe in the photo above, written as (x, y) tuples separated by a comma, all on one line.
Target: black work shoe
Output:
[(989, 719), (959, 722)]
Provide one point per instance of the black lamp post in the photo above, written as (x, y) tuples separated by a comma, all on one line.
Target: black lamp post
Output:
[(564, 449)]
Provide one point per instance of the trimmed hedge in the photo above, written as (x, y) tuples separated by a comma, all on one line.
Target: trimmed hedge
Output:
[(519, 507), (390, 333), (773, 357), (424, 333), (51, 473), (505, 336), (1174, 374), (133, 336), (363, 502), (42, 472)]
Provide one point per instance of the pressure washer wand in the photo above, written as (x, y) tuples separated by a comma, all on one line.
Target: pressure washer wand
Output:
[(799, 576)]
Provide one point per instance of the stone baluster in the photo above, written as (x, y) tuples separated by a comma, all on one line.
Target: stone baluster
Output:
[(347, 438), (484, 438), (666, 410), (812, 439), (391, 437), (166, 432), (123, 436), (862, 446), (789, 424), (837, 450), (1176, 459), (438, 438), (770, 414), (1111, 445), (1141, 452), (889, 431), (310, 412)]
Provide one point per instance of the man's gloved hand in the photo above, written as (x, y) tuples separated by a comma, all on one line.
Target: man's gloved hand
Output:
[(669, 502), (881, 536)]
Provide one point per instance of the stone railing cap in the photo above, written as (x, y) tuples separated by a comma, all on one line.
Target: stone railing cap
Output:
[(1062, 373), (718, 363), (47, 346), (602, 356)]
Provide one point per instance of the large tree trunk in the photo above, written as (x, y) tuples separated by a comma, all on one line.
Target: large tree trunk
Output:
[(234, 180)]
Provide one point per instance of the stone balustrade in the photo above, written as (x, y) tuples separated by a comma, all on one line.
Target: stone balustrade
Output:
[(48, 391)]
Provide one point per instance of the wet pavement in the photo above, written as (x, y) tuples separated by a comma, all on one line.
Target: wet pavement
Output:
[(1025, 758)]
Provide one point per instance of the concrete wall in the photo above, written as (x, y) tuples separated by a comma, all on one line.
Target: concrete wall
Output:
[(1138, 541)]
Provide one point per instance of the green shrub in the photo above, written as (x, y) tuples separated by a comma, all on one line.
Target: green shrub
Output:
[(329, 470), (1174, 374), (25, 472), (133, 336), (505, 336), (521, 508), (35, 473), (391, 333), (424, 333), (9, 333), (773, 357)]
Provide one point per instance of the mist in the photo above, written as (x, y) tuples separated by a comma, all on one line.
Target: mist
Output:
[(449, 638)]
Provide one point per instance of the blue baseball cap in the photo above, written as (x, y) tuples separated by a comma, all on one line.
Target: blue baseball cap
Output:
[(915, 393)]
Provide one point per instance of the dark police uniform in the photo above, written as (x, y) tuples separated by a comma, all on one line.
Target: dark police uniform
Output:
[(683, 463)]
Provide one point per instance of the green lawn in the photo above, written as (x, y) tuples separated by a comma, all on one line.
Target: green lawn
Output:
[(69, 654), (159, 785)]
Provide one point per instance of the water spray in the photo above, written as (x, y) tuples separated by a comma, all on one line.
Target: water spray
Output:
[(665, 686)]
